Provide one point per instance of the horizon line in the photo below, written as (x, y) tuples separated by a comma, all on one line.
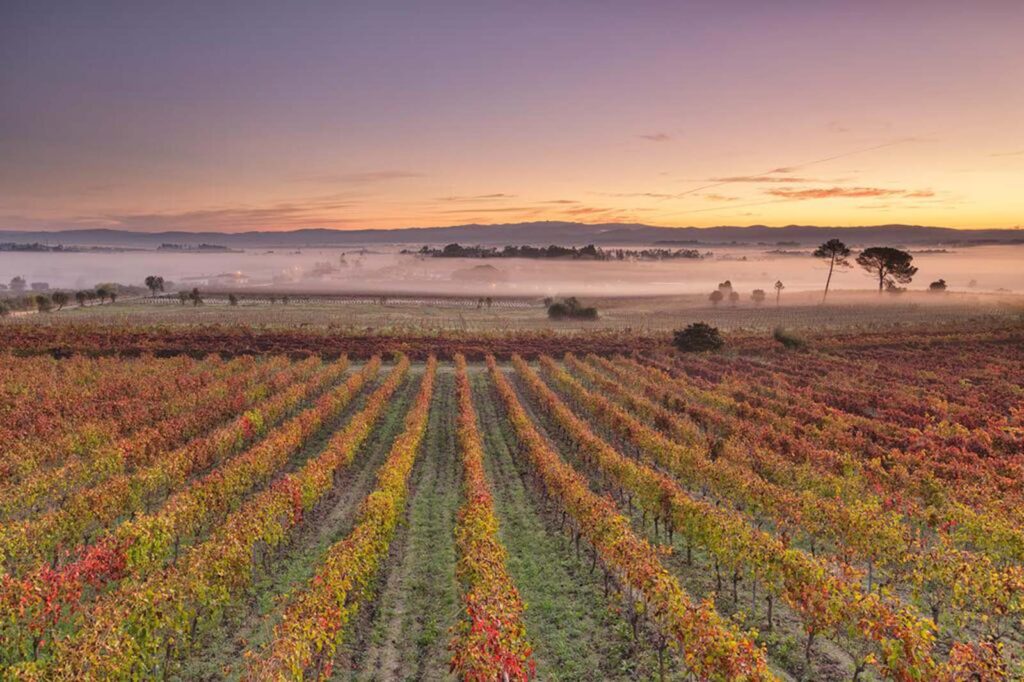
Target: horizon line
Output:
[(290, 230)]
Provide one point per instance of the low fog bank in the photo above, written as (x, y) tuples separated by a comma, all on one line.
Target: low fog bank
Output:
[(385, 270)]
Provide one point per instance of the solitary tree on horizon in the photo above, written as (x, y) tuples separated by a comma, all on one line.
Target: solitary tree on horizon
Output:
[(779, 286), (154, 283), (836, 252), (888, 264)]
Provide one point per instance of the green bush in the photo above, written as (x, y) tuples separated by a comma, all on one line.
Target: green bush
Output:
[(788, 339), (571, 309), (697, 337)]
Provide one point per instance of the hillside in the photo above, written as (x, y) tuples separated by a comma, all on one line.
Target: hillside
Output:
[(566, 233)]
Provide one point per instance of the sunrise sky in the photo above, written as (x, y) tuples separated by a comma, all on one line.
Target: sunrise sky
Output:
[(252, 115)]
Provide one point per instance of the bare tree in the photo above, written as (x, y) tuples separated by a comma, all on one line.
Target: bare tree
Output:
[(779, 286), (836, 252)]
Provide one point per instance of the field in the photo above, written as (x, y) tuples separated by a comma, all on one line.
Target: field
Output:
[(401, 315), (187, 502)]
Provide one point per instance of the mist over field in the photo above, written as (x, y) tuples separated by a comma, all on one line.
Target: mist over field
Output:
[(385, 269)]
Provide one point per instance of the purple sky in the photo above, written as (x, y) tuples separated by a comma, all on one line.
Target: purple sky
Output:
[(251, 115)]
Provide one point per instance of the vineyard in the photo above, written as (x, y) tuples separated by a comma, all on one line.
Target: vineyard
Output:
[(560, 509)]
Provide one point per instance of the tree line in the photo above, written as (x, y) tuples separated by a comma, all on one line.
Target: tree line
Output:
[(588, 252), (45, 302)]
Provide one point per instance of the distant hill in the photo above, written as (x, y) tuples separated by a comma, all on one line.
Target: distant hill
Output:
[(537, 233)]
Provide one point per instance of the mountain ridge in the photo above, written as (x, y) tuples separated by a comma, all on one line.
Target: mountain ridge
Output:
[(538, 233)]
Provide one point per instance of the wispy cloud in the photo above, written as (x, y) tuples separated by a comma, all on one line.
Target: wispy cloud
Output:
[(765, 178), (287, 215), (554, 208), (476, 197), (639, 195), (319, 211), (1019, 152), (355, 178), (845, 193), (493, 209), (655, 137), (589, 210), (760, 177), (719, 197)]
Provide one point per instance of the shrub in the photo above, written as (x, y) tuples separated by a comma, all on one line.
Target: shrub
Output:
[(697, 337), (558, 311), (571, 309), (788, 339)]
